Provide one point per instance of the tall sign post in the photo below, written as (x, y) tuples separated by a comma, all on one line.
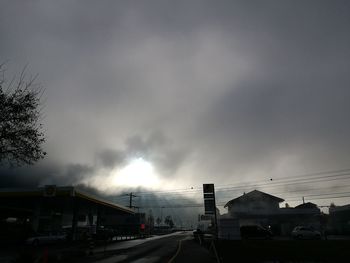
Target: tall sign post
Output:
[(210, 204)]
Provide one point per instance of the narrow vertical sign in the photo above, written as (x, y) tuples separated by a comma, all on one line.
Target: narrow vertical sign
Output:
[(209, 199)]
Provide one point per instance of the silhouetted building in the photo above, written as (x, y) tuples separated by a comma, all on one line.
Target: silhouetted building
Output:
[(254, 203), (307, 214), (259, 208), (52, 208), (339, 219)]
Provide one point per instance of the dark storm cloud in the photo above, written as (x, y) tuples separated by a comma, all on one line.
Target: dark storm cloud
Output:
[(158, 150), (16, 178), (294, 104), (43, 175), (239, 90), (111, 158)]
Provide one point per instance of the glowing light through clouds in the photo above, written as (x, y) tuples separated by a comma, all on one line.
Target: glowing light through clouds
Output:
[(137, 173)]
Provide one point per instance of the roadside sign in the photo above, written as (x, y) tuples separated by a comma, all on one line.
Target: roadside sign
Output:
[(209, 199), (209, 203), (209, 206), (208, 188)]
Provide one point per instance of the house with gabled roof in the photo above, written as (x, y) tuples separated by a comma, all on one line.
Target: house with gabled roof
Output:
[(263, 209), (254, 203)]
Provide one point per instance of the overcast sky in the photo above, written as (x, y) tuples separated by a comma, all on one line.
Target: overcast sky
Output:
[(205, 91)]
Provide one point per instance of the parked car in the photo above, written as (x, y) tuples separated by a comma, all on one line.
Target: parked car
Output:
[(303, 232), (255, 232), (46, 238)]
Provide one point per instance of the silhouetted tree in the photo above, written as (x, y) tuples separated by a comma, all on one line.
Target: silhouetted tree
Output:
[(169, 221), (21, 135), (158, 220)]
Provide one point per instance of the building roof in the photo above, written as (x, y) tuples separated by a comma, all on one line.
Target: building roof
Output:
[(254, 195), (65, 191), (307, 205), (339, 208)]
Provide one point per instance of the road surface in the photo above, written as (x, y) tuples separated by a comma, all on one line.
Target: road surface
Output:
[(173, 248)]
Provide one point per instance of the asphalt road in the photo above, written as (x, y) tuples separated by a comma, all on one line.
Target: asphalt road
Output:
[(153, 249), (146, 251), (171, 248), (177, 247)]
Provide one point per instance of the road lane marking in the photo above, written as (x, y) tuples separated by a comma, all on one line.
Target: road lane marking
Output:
[(178, 250)]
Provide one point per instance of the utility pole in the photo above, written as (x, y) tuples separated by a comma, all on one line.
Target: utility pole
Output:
[(130, 199)]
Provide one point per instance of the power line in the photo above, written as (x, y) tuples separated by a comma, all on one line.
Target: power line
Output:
[(342, 193), (333, 173), (320, 177), (293, 191), (165, 202), (255, 186), (222, 204), (316, 197), (286, 181)]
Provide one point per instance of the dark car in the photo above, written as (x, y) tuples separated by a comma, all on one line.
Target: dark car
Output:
[(255, 232)]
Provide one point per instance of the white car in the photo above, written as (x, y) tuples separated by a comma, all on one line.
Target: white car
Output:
[(46, 238), (303, 232)]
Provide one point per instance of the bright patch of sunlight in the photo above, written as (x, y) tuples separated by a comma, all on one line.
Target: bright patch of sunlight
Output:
[(137, 173)]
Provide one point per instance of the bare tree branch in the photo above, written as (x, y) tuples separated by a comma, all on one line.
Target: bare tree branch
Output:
[(21, 135)]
